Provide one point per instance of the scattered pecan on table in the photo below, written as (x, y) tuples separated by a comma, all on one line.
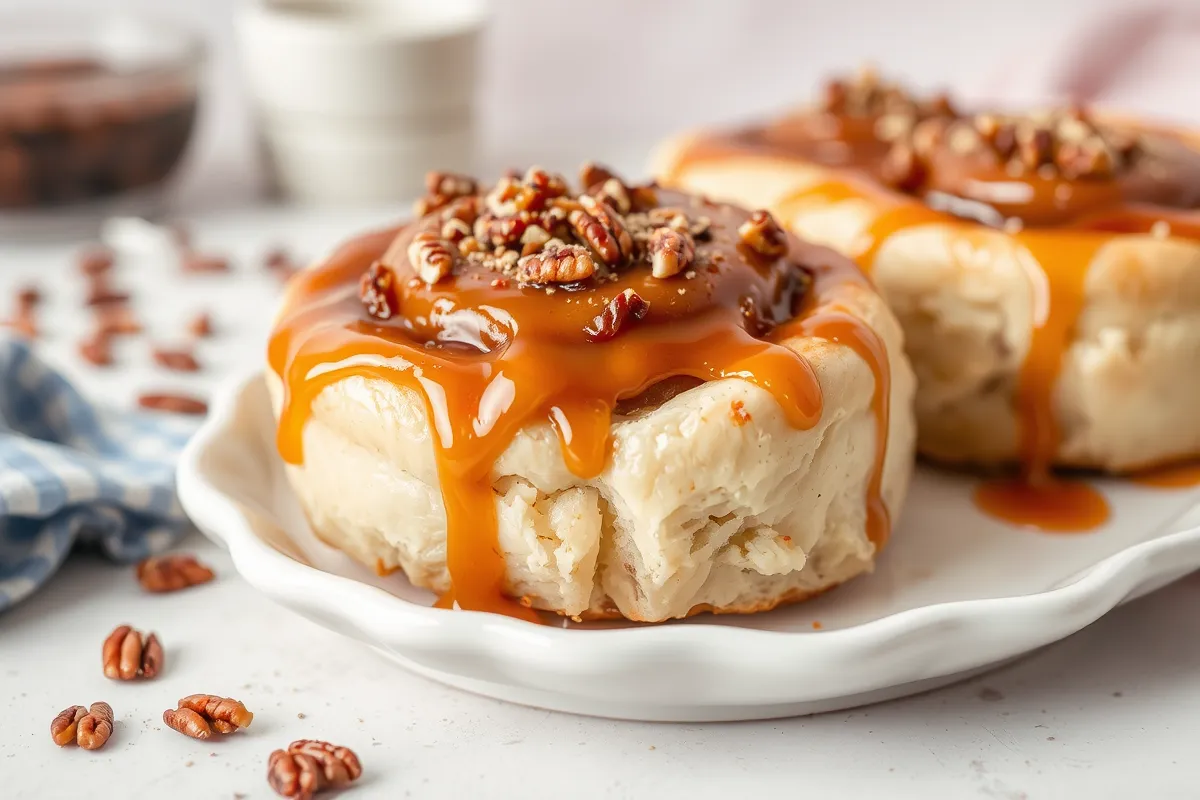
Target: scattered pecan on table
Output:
[(201, 715), (172, 402), (309, 766), (126, 655), (173, 572), (177, 359), (90, 727)]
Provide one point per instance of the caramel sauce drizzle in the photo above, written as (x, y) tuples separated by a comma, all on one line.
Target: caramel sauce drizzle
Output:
[(1065, 223), (489, 358)]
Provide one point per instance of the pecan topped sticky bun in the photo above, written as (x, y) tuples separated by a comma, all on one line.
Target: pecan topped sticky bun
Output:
[(602, 399)]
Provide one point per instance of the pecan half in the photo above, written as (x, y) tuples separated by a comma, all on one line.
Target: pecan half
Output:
[(95, 726), (592, 174), (596, 236), (431, 257), (178, 359), (610, 221), (126, 656), (64, 726), (377, 290), (762, 234), (170, 573), (565, 264), (671, 252), (174, 403), (308, 766), (200, 715), (625, 308)]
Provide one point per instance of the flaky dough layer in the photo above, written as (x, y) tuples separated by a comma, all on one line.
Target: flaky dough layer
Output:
[(704, 504)]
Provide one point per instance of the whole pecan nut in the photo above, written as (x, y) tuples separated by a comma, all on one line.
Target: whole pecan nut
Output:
[(173, 572), (309, 766)]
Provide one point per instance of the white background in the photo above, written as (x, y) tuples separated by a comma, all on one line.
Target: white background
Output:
[(1109, 713)]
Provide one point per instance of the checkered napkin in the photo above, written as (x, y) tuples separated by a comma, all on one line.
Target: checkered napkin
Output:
[(75, 474)]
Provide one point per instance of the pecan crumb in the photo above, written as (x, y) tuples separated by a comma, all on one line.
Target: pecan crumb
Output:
[(126, 656), (200, 715), (309, 766), (170, 573), (95, 726), (762, 234), (174, 403), (623, 309), (178, 359)]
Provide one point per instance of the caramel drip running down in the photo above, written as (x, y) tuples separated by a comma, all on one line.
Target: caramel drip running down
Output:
[(488, 359)]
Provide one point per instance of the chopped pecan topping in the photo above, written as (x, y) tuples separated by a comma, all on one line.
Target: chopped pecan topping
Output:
[(671, 252), (170, 573), (612, 224), (95, 727), (618, 314), (309, 766), (592, 174), (616, 194), (450, 184), (431, 257), (902, 168), (200, 715), (377, 290), (542, 186), (174, 403), (762, 234), (565, 264), (64, 726), (500, 231), (126, 656)]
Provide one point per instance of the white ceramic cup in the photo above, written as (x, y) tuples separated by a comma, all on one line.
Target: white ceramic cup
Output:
[(357, 99)]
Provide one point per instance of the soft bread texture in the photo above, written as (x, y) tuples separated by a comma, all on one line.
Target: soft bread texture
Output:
[(699, 508), (1125, 398)]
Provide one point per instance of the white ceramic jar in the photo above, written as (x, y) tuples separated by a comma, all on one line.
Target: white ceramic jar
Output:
[(357, 99)]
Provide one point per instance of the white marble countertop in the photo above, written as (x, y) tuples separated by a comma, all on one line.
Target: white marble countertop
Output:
[(1111, 712)]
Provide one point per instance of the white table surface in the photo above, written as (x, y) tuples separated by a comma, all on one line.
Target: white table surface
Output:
[(1111, 712)]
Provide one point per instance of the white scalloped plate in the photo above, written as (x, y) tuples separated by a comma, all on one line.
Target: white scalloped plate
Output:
[(955, 593)]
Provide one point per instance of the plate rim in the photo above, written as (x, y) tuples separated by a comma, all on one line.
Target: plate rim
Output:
[(1070, 606)]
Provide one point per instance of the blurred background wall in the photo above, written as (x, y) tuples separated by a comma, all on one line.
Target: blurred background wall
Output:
[(565, 80)]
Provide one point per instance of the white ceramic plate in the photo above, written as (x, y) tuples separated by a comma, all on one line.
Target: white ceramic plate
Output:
[(954, 593)]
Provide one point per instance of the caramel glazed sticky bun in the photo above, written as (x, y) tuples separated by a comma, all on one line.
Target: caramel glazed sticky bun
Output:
[(619, 402), (1045, 268)]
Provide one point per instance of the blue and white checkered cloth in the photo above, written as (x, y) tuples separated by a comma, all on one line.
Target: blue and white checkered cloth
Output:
[(73, 474)]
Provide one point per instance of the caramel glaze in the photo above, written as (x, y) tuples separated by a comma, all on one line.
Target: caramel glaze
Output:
[(490, 357), (1063, 224)]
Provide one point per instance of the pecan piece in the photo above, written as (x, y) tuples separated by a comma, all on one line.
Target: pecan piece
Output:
[(96, 349), (671, 252), (116, 320), (499, 231), (174, 403), (125, 655), (762, 234), (431, 257), (902, 168), (1036, 148), (200, 325), (596, 236), (615, 193), (95, 726), (627, 307), (540, 186), (100, 294), (308, 766), (450, 184), (592, 174), (565, 264), (64, 726), (200, 715), (611, 222), (177, 359), (171, 573), (377, 290)]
